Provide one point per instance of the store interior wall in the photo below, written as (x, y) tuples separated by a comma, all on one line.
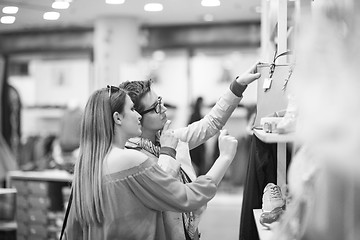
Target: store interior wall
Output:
[(50, 77)]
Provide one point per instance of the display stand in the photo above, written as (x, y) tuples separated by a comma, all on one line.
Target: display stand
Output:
[(40, 202), (281, 140), (264, 233), (275, 32)]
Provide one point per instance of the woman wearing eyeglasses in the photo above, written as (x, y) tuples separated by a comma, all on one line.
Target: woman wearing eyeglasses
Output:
[(121, 193), (151, 108)]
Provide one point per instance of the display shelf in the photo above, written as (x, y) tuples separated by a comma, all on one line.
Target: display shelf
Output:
[(40, 202), (274, 137), (7, 226), (264, 233), (48, 175)]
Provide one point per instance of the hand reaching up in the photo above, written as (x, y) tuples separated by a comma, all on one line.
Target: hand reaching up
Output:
[(249, 76)]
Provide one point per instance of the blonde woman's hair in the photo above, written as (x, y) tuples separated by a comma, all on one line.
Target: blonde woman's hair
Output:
[(97, 128)]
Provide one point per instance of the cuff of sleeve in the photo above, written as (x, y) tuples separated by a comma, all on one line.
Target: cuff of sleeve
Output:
[(168, 151), (237, 88)]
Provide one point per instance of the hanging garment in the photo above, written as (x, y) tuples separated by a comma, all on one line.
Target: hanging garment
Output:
[(261, 170)]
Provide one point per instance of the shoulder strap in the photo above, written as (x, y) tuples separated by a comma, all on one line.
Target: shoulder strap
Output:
[(66, 214)]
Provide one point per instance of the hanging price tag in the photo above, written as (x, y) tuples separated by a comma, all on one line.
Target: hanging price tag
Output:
[(267, 83)]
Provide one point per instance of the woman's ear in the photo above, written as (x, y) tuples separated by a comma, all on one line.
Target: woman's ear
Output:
[(118, 117)]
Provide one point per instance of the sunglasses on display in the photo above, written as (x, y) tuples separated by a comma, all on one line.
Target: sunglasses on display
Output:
[(156, 108), (111, 89)]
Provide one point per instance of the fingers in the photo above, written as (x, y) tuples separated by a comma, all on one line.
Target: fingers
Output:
[(253, 68), (224, 132), (249, 78), (167, 125), (250, 75)]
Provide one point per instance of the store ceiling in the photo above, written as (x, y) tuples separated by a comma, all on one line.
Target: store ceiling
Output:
[(84, 12)]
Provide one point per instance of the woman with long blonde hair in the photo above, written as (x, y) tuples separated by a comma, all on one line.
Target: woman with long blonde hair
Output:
[(121, 193)]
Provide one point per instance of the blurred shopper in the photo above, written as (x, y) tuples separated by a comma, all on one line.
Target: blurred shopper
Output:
[(69, 135), (121, 193), (197, 154), (153, 113)]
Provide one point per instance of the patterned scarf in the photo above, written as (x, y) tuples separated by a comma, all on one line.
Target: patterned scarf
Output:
[(154, 149)]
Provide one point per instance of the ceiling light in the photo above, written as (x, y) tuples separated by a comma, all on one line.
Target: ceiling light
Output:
[(210, 3), (153, 7), (208, 17), (60, 5), (115, 1), (51, 16), (10, 10), (7, 19)]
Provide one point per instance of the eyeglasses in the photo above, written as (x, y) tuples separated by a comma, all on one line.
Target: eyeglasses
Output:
[(111, 89), (156, 108)]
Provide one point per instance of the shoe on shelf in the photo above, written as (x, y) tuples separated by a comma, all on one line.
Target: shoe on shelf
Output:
[(272, 198), (267, 218)]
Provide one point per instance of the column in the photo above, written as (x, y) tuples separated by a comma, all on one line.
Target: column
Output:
[(116, 44)]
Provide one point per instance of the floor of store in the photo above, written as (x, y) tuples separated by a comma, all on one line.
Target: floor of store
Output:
[(222, 217)]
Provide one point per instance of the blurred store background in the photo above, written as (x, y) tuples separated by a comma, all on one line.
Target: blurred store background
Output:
[(54, 53)]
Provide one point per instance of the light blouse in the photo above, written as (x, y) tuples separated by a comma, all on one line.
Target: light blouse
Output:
[(135, 200)]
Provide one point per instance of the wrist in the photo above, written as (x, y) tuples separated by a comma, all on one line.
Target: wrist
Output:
[(238, 87), (225, 158), (168, 151)]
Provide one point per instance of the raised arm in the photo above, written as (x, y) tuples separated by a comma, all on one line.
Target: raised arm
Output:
[(200, 131), (158, 190), (227, 147)]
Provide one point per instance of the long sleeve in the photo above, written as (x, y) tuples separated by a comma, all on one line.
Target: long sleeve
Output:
[(200, 131), (157, 190), (169, 164)]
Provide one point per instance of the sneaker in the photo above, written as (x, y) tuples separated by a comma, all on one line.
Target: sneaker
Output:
[(267, 218), (272, 198)]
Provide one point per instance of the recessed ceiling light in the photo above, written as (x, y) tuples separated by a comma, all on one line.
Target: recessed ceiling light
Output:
[(153, 7), (10, 10), (210, 3), (7, 19), (60, 5), (115, 1), (51, 16), (208, 17)]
